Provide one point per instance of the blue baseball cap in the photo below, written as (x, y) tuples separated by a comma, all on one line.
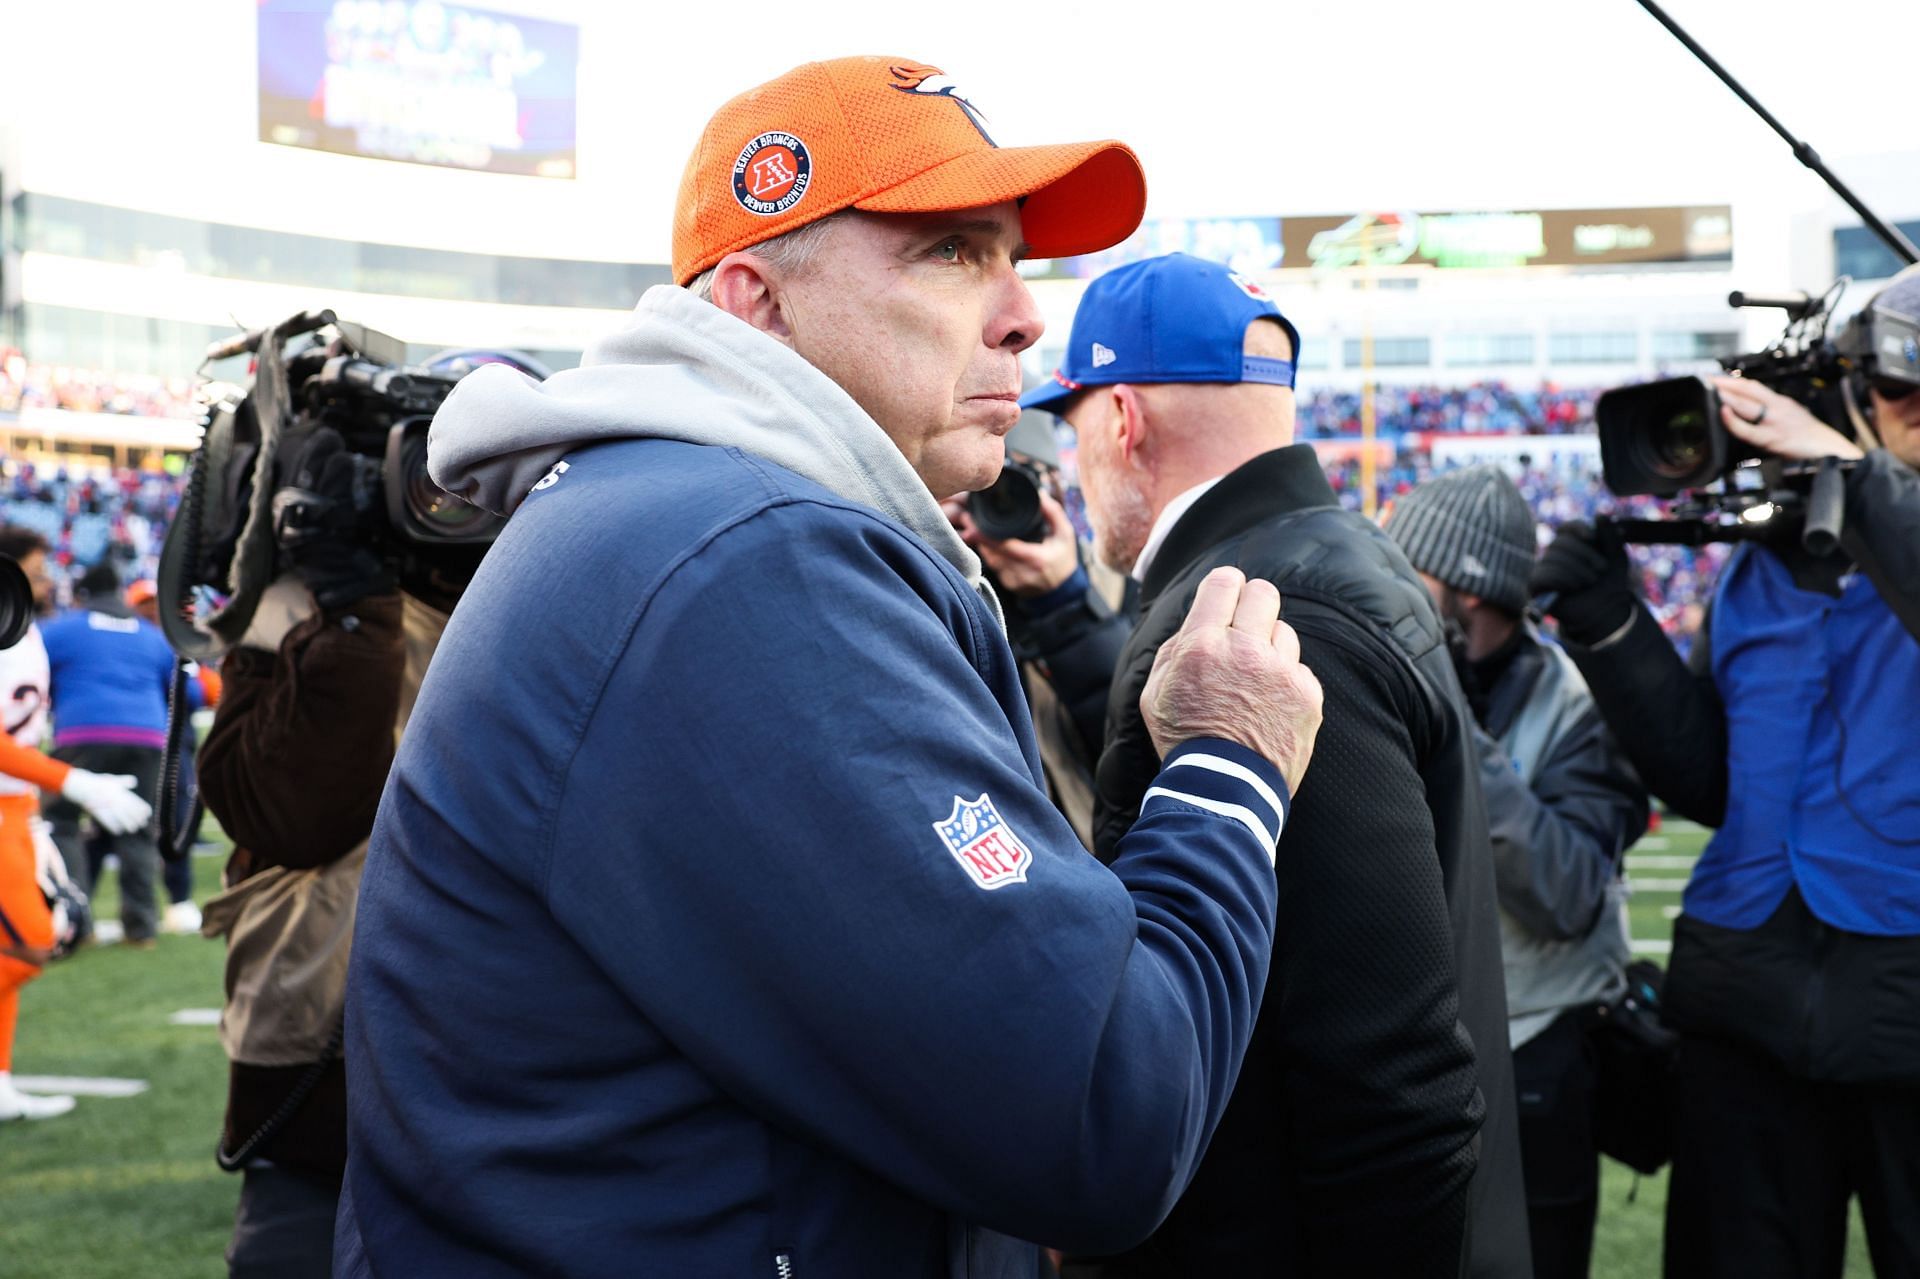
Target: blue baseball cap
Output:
[(1176, 318)]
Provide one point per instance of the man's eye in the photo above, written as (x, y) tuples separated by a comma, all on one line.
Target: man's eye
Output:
[(947, 251)]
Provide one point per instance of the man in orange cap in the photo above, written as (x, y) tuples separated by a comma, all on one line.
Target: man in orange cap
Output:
[(716, 920)]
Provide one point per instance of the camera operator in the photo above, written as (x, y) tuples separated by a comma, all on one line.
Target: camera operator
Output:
[(313, 703), (1795, 972), (1063, 625)]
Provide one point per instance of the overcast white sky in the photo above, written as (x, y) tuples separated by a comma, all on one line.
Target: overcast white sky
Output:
[(1332, 105), (1236, 108)]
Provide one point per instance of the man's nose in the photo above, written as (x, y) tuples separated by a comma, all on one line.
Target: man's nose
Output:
[(1015, 322)]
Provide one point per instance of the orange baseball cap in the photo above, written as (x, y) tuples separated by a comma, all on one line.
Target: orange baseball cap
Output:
[(140, 592), (889, 136)]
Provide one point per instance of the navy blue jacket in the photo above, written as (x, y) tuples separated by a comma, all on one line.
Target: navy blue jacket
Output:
[(716, 921)]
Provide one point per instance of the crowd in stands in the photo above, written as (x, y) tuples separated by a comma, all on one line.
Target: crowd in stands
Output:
[(88, 516), (46, 386), (1482, 408), (81, 515)]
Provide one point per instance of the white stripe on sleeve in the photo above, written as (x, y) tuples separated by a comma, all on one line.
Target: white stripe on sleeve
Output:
[(1238, 812), (1220, 764)]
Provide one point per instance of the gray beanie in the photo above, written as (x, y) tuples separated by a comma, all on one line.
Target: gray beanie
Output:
[(1472, 530)]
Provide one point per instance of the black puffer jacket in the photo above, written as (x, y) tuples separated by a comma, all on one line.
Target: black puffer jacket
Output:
[(1381, 1052)]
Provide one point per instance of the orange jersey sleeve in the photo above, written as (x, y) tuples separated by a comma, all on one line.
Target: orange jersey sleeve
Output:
[(30, 765)]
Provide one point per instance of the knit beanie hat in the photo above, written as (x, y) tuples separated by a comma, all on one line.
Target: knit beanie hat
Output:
[(1472, 530)]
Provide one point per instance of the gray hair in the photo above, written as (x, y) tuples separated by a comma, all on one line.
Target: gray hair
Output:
[(787, 253)]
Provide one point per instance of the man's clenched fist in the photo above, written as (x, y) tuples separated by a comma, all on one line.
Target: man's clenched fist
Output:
[(1233, 671)]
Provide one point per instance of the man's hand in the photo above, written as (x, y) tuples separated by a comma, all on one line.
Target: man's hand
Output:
[(1778, 424), (110, 798), (320, 521), (1586, 571), (1233, 671), (1027, 569)]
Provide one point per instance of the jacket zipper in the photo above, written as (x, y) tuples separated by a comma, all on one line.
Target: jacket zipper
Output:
[(783, 1265)]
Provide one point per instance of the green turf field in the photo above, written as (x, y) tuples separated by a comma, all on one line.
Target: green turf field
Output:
[(128, 1187)]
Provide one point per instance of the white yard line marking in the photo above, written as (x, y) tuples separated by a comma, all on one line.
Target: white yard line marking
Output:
[(195, 1017), (1657, 885), (1652, 843), (1670, 912), (1636, 862), (1681, 826), (108, 932), (1651, 947), (77, 1086)]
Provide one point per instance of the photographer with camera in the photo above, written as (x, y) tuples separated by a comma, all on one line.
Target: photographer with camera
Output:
[(1795, 971), (313, 702), (1066, 629)]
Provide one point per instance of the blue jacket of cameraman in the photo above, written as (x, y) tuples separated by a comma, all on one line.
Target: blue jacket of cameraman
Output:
[(716, 921), (1820, 693)]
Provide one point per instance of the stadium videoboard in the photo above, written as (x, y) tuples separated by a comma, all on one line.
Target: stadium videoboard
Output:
[(420, 81)]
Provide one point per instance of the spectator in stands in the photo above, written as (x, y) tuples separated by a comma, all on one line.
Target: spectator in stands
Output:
[(110, 675), (1563, 805)]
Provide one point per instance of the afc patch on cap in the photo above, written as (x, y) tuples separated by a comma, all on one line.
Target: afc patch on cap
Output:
[(984, 845), (772, 173)]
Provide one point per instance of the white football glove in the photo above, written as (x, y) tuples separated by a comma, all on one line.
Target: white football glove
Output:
[(109, 798)]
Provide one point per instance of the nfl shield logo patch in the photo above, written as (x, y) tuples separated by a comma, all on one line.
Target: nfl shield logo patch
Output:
[(984, 845)]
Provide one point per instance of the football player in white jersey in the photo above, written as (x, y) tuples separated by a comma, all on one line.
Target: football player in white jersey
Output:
[(26, 924)]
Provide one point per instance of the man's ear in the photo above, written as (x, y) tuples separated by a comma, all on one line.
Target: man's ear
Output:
[(1131, 421), (745, 287)]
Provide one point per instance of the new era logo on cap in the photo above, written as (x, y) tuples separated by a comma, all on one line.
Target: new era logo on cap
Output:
[(1471, 565), (1103, 356)]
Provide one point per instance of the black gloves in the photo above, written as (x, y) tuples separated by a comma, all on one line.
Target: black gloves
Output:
[(325, 519), (1586, 570)]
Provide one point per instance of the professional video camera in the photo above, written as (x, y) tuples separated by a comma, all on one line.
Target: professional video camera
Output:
[(224, 547), (1668, 439)]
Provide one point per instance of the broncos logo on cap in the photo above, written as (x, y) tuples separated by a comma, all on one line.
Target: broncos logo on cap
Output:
[(931, 82)]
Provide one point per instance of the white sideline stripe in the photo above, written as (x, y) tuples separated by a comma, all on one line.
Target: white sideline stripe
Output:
[(1635, 862), (195, 1017), (1239, 812), (1652, 843), (1652, 947), (1217, 764), (108, 932), (76, 1086), (1657, 885)]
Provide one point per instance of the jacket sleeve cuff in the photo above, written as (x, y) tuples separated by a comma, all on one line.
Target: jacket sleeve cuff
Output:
[(1226, 779)]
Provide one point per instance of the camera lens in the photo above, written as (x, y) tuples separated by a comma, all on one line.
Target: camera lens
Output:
[(1010, 509), (1682, 445), (431, 506)]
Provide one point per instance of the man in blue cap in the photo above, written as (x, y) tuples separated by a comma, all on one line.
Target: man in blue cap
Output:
[(1373, 1128)]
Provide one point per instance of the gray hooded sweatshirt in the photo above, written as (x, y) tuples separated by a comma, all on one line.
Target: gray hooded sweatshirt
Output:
[(682, 369)]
